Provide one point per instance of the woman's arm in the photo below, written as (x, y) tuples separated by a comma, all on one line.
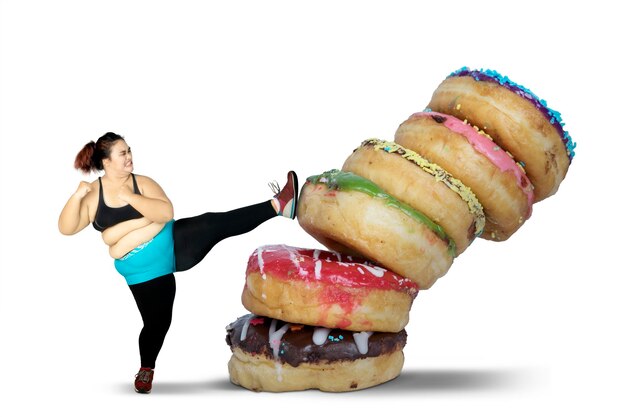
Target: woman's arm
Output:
[(113, 234), (134, 239), (152, 203), (75, 214)]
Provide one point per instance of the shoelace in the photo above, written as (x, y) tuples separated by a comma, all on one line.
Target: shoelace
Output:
[(144, 375), (274, 187)]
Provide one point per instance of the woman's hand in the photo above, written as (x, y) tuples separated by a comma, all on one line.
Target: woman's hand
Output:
[(125, 194), (83, 189), (151, 203), (75, 214)]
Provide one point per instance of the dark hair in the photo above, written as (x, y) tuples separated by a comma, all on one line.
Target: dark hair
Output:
[(90, 157)]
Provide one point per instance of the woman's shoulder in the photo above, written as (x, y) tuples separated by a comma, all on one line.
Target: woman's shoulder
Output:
[(146, 183), (144, 179)]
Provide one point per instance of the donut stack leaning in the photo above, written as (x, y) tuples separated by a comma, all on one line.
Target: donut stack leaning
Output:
[(393, 219)]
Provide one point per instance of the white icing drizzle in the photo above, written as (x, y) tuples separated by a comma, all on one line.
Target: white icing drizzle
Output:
[(259, 255), (244, 329), (360, 270), (375, 270), (320, 334), (318, 269), (361, 340), (296, 262), (276, 335), (279, 371)]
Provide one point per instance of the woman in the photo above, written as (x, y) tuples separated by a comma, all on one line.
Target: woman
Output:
[(136, 220)]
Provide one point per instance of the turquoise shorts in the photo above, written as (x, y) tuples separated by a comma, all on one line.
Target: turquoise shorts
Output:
[(149, 260)]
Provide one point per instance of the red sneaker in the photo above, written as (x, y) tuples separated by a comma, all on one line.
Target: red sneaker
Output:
[(143, 380), (286, 198)]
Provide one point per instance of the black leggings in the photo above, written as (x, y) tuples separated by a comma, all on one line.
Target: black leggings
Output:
[(194, 237)]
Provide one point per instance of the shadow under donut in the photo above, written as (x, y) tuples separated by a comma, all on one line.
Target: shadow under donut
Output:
[(408, 382), (457, 380)]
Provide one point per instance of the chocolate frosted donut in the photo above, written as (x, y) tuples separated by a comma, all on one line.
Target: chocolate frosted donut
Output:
[(272, 355)]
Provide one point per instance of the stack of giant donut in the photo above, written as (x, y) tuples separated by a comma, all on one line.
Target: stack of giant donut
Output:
[(394, 218)]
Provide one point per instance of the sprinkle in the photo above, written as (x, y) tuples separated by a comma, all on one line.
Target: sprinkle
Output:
[(553, 116), (496, 148), (458, 107), (296, 327)]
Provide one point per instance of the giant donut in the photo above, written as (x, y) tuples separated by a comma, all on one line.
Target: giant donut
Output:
[(322, 288), (350, 214), (423, 185), (516, 119), (500, 184), (272, 355)]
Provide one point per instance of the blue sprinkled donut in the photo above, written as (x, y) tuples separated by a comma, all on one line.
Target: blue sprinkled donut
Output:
[(552, 115), (515, 118)]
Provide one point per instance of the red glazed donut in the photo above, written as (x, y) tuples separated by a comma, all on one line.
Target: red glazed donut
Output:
[(322, 288)]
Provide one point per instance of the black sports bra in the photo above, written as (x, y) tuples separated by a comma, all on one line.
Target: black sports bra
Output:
[(110, 216)]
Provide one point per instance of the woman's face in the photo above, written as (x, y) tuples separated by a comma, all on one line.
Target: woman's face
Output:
[(121, 158)]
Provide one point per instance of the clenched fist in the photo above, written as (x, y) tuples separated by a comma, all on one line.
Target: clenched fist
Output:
[(83, 189)]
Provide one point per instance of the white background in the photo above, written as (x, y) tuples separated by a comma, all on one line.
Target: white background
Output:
[(216, 101)]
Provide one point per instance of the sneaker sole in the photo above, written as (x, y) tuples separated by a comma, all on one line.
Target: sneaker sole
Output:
[(294, 203)]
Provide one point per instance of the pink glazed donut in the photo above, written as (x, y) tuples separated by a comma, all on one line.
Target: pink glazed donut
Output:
[(499, 183), (328, 289)]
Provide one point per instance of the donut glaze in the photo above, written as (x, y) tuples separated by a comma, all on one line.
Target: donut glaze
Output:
[(515, 118), (483, 143), (553, 116), (289, 263), (336, 180), (351, 214), (297, 343), (276, 356), (322, 288), (423, 185)]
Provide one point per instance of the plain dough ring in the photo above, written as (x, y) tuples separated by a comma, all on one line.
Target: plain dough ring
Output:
[(516, 119), (322, 288), (500, 184), (350, 214)]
